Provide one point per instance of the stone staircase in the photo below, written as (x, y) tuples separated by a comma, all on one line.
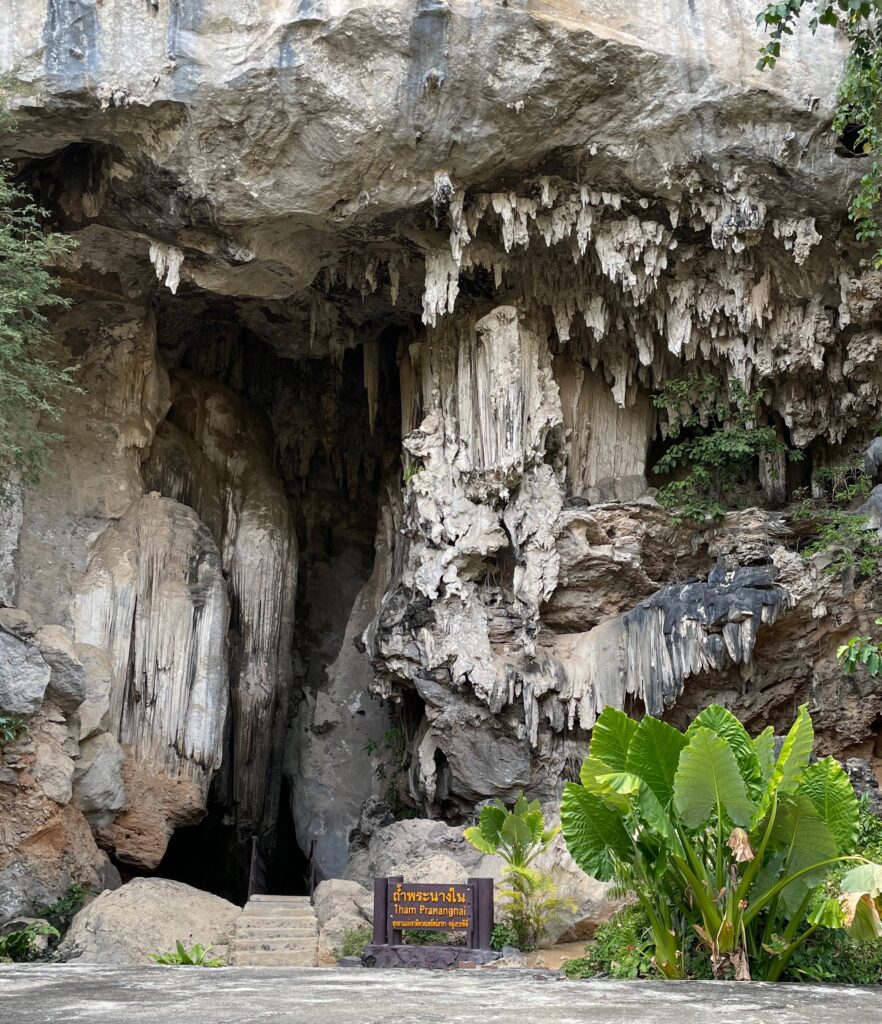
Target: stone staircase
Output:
[(275, 931)]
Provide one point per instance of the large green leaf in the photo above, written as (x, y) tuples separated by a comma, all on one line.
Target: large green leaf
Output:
[(535, 822), (708, 779), (830, 790), (611, 737), (764, 745), (479, 840), (593, 776), (591, 770), (486, 835), (864, 878), (791, 764), (595, 835), (642, 800), (653, 754), (805, 840), (727, 726), (516, 831)]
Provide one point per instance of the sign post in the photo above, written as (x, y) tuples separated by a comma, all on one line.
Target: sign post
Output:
[(401, 906)]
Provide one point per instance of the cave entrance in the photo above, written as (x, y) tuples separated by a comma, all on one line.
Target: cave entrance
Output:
[(209, 856), (282, 453)]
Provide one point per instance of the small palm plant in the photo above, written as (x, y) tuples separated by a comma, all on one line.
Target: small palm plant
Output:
[(718, 838), (518, 836), (196, 956)]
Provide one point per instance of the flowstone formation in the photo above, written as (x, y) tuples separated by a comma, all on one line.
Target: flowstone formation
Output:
[(354, 516)]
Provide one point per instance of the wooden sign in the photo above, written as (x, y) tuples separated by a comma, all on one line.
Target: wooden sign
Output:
[(429, 905), (401, 906)]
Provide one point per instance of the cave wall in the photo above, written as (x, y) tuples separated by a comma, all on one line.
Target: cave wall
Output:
[(367, 350)]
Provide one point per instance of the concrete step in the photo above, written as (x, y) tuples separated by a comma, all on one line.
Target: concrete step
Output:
[(273, 920), (248, 930), (278, 911), (274, 960), (269, 898), (273, 946)]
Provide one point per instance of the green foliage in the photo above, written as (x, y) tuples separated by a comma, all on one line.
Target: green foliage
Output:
[(431, 937), (389, 755), (721, 840), (839, 533), (12, 727), (412, 468), (859, 100), (502, 936), (196, 956), (354, 941), (519, 835), (716, 439), (861, 650), (30, 384), (622, 948), (532, 905), (62, 911), (23, 945)]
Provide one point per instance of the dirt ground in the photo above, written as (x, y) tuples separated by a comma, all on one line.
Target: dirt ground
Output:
[(556, 955)]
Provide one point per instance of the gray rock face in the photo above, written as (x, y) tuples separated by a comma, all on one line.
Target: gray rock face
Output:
[(67, 683), (24, 675)]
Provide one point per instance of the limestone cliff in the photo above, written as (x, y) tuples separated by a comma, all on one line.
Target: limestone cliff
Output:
[(370, 302)]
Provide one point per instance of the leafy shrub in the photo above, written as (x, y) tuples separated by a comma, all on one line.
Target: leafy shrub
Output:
[(23, 945), (354, 941), (12, 727), (861, 650), (502, 936), (622, 948), (718, 838), (62, 911), (196, 956), (431, 937), (518, 836), (839, 532), (716, 443), (390, 760), (833, 956), (30, 384)]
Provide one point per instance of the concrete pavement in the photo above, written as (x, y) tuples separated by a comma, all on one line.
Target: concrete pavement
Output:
[(68, 994)]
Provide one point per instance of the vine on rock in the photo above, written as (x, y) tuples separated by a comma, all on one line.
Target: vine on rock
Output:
[(858, 117)]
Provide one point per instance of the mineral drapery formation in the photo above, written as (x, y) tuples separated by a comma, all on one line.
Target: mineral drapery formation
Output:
[(370, 304)]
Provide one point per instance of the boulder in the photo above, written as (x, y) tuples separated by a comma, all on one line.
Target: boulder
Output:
[(98, 788), (15, 620), (24, 675), (54, 770), (67, 683), (148, 915), (341, 905)]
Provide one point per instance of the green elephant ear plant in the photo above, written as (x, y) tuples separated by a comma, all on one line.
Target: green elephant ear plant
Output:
[(721, 839)]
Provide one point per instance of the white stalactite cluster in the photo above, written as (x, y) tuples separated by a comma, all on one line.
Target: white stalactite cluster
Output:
[(640, 285)]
